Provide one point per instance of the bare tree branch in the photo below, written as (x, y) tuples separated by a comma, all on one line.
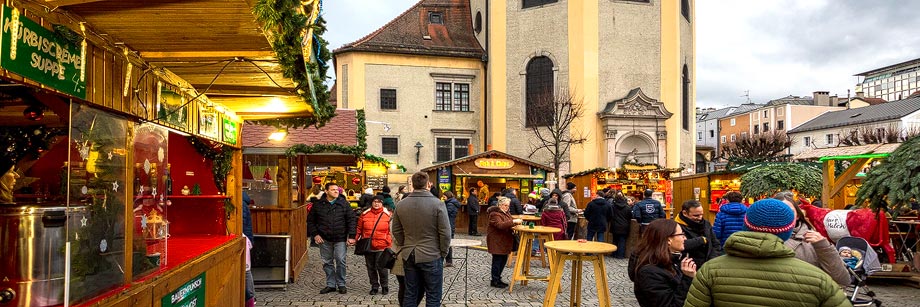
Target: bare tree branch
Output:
[(761, 147), (551, 122)]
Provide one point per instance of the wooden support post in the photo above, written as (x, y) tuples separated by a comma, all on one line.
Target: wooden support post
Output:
[(284, 182), (828, 182), (847, 175)]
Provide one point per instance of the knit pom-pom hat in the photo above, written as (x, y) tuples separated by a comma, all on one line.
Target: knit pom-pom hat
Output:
[(770, 216)]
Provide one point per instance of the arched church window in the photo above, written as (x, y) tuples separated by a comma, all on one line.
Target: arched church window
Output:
[(539, 92)]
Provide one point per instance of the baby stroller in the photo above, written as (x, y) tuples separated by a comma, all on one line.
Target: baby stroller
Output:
[(861, 261)]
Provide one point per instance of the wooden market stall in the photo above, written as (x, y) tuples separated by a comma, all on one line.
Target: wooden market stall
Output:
[(281, 176), (127, 172), (707, 188), (631, 178), (489, 172), (843, 169)]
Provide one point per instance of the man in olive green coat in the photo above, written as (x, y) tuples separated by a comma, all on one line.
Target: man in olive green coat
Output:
[(758, 270)]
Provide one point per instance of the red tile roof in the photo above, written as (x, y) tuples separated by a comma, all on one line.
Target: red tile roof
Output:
[(341, 129), (411, 32), (915, 94)]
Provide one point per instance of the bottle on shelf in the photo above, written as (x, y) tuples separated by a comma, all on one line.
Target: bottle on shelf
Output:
[(137, 179), (168, 182)]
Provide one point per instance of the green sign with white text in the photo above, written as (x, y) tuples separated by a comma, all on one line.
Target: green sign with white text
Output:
[(191, 294), (30, 50), (230, 132)]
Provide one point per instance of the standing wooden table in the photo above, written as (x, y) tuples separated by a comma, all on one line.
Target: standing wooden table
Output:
[(577, 252), (521, 270), (527, 219)]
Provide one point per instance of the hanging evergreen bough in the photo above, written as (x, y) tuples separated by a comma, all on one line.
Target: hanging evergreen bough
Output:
[(766, 180), (358, 151), (286, 21), (221, 157), (892, 184)]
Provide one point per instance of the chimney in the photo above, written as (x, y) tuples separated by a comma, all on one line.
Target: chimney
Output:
[(833, 101), (860, 94), (821, 98)]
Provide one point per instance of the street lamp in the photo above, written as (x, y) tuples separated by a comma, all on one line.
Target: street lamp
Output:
[(418, 150)]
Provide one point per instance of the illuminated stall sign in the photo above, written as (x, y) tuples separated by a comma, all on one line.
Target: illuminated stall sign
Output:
[(35, 52), (494, 163)]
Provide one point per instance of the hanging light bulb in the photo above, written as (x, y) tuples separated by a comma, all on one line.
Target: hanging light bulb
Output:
[(33, 113)]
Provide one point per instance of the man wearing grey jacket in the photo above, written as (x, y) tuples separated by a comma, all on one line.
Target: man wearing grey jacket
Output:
[(422, 229)]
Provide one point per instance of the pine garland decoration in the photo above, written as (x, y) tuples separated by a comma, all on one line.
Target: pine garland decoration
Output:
[(358, 151), (286, 24)]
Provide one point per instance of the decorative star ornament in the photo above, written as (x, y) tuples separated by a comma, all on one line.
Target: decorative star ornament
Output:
[(115, 186), (84, 152), (110, 155), (153, 192), (83, 222)]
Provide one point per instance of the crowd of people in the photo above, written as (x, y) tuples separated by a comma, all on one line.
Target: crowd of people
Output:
[(762, 254)]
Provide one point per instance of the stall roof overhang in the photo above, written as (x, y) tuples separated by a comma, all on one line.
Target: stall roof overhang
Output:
[(489, 154), (198, 40), (848, 152)]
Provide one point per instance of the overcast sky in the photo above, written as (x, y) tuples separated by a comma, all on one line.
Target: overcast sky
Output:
[(771, 48)]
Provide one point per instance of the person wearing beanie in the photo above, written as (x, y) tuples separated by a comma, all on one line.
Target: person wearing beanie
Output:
[(366, 198), (568, 201), (730, 218), (812, 247), (388, 201), (8, 180), (759, 270), (543, 197), (597, 212), (554, 216)]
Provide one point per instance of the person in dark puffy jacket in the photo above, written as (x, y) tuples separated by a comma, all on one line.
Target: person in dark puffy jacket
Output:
[(331, 224), (730, 218), (622, 214), (597, 212)]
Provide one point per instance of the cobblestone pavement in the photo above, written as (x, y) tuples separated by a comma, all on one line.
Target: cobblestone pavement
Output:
[(305, 292)]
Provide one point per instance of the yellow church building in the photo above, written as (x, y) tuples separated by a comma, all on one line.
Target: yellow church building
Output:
[(449, 75)]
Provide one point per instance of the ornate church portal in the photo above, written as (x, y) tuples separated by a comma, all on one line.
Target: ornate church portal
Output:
[(634, 130)]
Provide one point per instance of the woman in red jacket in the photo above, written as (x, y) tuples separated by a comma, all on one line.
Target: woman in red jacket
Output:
[(553, 216), (380, 240)]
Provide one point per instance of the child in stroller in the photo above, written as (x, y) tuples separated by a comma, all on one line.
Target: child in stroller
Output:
[(861, 261)]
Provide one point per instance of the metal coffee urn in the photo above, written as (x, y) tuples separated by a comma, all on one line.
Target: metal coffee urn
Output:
[(32, 253)]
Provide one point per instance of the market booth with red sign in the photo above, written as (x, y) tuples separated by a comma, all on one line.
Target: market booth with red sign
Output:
[(125, 185), (488, 172)]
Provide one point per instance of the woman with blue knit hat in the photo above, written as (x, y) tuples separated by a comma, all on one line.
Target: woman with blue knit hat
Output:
[(759, 270)]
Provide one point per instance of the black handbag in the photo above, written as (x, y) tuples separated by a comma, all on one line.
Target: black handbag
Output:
[(363, 246), (387, 258)]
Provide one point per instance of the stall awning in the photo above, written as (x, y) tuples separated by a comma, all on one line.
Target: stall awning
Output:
[(509, 176), (486, 154), (847, 152)]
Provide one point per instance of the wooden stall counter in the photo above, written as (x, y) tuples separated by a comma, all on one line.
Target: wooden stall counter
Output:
[(285, 221)]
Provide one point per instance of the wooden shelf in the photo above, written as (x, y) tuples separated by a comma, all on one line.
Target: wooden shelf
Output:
[(197, 197)]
